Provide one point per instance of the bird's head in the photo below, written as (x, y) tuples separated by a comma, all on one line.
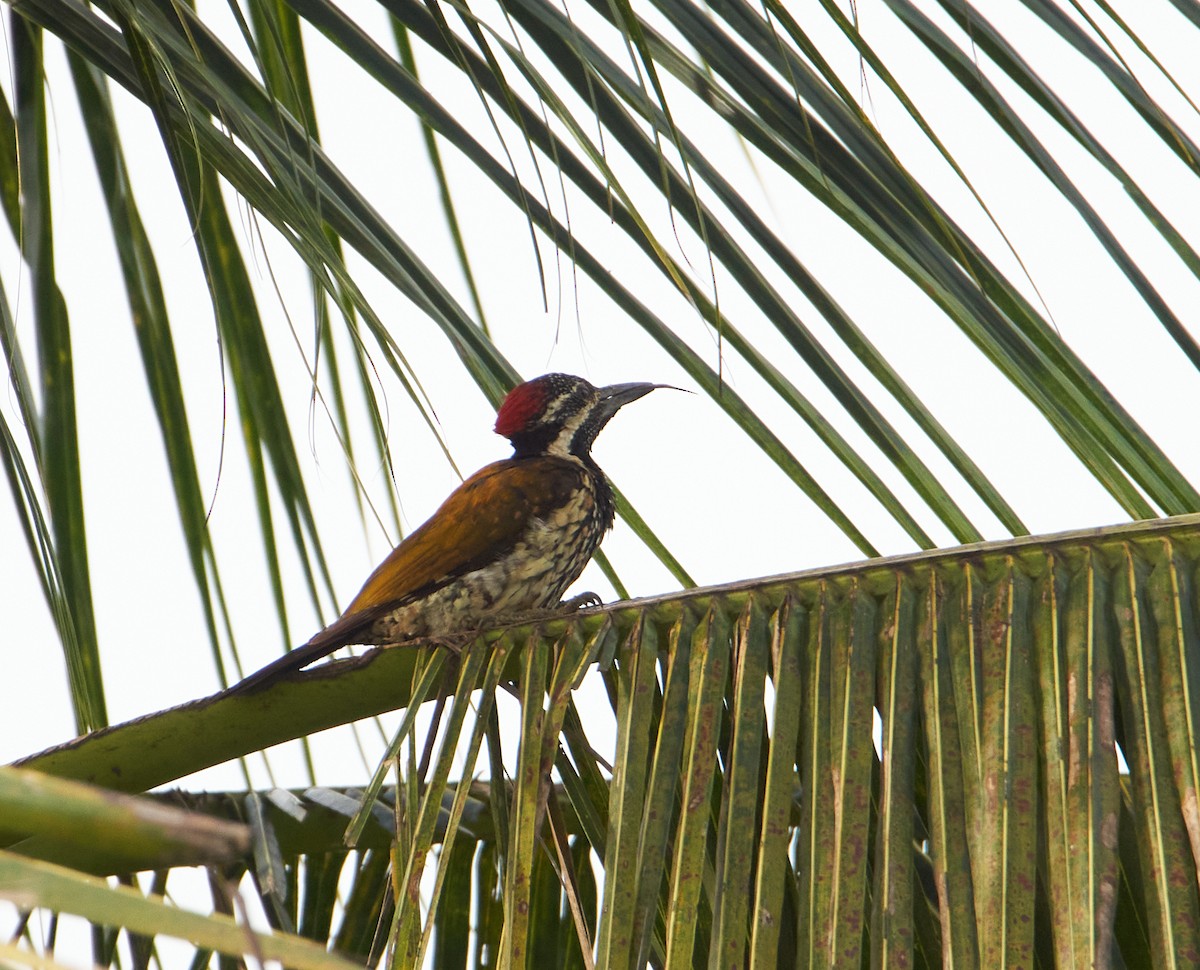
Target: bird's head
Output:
[(558, 414)]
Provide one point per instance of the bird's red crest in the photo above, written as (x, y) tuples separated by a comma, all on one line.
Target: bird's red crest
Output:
[(523, 402)]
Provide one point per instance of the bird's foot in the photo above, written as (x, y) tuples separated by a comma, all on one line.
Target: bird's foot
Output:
[(583, 601), (566, 608)]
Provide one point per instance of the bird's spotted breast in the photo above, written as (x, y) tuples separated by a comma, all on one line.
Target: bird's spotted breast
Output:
[(547, 558)]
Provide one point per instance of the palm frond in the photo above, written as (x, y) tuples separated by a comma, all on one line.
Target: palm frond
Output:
[(978, 755)]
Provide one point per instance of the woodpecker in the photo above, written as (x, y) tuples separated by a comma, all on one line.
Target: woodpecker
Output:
[(507, 542)]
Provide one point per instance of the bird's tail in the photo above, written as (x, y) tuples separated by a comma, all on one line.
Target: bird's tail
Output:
[(347, 629)]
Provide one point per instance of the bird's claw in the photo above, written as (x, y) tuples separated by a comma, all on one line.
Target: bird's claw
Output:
[(583, 601)]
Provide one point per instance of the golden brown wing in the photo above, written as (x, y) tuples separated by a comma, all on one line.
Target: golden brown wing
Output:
[(483, 518)]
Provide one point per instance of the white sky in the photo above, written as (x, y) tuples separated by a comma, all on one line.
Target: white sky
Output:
[(676, 456)]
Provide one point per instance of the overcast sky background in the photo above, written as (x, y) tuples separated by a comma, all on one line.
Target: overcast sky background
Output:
[(678, 459)]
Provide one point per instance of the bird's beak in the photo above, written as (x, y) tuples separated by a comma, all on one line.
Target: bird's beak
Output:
[(616, 396)]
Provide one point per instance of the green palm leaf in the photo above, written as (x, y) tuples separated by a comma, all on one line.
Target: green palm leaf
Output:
[(990, 820)]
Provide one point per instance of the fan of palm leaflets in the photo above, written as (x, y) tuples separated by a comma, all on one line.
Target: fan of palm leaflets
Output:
[(977, 758)]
